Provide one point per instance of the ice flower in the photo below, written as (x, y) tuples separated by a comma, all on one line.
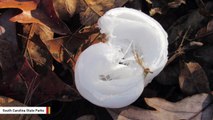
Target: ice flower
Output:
[(113, 74)]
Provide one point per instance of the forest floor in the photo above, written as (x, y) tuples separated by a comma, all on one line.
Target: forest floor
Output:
[(40, 41)]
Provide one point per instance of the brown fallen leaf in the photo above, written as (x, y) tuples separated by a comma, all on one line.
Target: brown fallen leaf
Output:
[(204, 55), (205, 8), (200, 33), (162, 6), (65, 9), (21, 82), (206, 33), (35, 49), (169, 75), (154, 11), (29, 87), (91, 10), (197, 107), (2, 30), (6, 55), (158, 7), (56, 90), (38, 54), (5, 101), (131, 113), (57, 48), (65, 48), (37, 11), (86, 117), (193, 79), (210, 26), (43, 31), (9, 28), (176, 3), (21, 4), (183, 24)]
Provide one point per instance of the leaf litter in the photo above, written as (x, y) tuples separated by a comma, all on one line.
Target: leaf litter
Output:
[(42, 48)]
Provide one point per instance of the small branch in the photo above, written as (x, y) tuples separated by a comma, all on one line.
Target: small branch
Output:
[(180, 50)]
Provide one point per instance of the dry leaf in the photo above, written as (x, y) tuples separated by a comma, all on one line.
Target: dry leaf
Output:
[(4, 101), (154, 11), (210, 26), (26, 85), (65, 8), (158, 6), (176, 3), (162, 6), (36, 50), (57, 48), (204, 55), (86, 117), (91, 10), (38, 53), (21, 4), (192, 20), (193, 79), (205, 33), (8, 31), (63, 48), (43, 31), (2, 30), (200, 33), (197, 107), (149, 1), (39, 92), (131, 113), (37, 11), (205, 7), (169, 75), (56, 90), (6, 56)]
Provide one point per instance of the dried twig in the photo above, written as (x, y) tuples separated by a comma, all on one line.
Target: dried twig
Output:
[(180, 50)]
